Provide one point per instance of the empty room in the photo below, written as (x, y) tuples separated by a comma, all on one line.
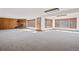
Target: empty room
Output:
[(39, 29)]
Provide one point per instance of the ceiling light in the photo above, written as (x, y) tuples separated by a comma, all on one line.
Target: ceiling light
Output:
[(53, 9)]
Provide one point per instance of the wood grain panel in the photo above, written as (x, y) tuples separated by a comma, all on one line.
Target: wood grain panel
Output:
[(21, 23), (8, 23)]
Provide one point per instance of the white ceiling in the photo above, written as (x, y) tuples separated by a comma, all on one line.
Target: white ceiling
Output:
[(33, 12), (22, 12)]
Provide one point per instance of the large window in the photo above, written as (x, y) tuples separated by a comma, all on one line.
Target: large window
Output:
[(48, 23), (30, 23), (66, 23)]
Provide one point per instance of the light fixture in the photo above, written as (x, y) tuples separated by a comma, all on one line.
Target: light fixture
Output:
[(53, 9)]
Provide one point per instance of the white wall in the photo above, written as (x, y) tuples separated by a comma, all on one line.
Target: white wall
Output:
[(77, 22), (43, 23)]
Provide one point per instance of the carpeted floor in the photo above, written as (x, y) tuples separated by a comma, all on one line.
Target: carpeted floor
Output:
[(29, 40)]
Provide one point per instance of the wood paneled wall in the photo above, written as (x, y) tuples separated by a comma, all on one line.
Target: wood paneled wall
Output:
[(8, 23), (21, 22)]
